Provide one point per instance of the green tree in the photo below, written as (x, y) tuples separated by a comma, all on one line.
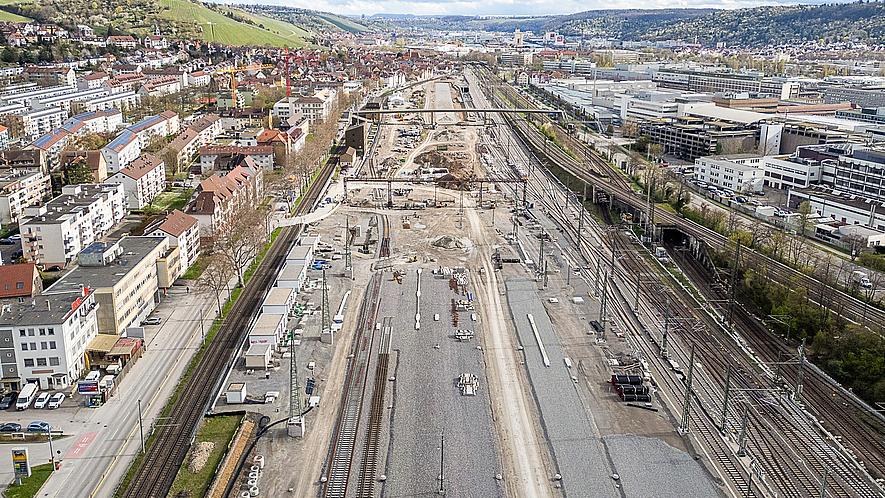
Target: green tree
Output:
[(804, 212), (78, 171)]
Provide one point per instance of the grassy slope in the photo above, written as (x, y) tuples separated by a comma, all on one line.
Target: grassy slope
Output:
[(342, 22), (229, 31), (277, 26), (10, 17)]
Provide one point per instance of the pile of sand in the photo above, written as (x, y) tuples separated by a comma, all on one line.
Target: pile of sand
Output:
[(447, 242)]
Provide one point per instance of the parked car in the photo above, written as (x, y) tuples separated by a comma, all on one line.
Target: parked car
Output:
[(154, 320), (56, 401), (54, 268), (7, 242), (16, 254), (38, 426), (8, 401), (11, 427), (16, 236), (42, 399)]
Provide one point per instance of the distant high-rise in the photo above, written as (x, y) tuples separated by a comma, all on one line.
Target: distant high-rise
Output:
[(518, 38)]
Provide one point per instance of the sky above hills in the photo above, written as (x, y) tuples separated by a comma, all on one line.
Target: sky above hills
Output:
[(508, 7)]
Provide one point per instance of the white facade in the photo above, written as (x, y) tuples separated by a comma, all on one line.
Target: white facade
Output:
[(19, 191), (121, 100), (121, 151), (104, 121), (183, 231), (50, 336), (41, 122), (55, 232), (781, 173), (745, 176), (648, 105), (142, 180)]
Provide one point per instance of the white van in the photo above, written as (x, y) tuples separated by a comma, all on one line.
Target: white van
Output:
[(26, 397), (93, 375)]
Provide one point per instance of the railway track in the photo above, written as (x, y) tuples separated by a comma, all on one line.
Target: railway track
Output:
[(338, 474), (784, 445), (597, 172), (154, 475)]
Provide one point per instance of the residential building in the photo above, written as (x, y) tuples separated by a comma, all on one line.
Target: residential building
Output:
[(67, 100), (742, 175), (55, 232), (160, 125), (121, 151), (315, 107), (199, 134), (122, 41), (183, 231), (227, 157), (158, 87), (198, 78), (59, 75), (218, 198), (20, 189), (123, 276), (156, 42), (42, 121), (19, 282), (124, 83), (4, 138), (142, 180), (101, 121), (92, 80), (47, 338), (115, 100), (31, 159)]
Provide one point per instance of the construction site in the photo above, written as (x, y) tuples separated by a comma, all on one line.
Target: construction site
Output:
[(459, 324)]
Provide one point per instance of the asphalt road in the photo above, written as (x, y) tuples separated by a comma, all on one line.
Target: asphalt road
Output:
[(101, 445)]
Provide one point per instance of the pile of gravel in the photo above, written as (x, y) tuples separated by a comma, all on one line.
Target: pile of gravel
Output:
[(200, 455)]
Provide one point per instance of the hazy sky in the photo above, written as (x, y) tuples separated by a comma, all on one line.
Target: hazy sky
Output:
[(506, 7)]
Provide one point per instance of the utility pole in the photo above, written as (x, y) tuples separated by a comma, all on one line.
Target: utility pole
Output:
[(202, 330), (295, 425), (650, 222), (540, 261), (732, 283), (664, 353), (801, 372), (602, 307), (581, 221), (742, 438), (325, 319), (686, 407), (140, 428), (442, 460), (636, 297), (722, 423), (348, 261), (823, 483)]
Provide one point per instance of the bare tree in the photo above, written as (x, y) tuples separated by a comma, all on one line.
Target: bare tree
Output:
[(241, 241), (216, 277)]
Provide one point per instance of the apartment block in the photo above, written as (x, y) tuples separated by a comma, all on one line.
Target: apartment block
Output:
[(55, 232), (183, 231), (20, 189), (47, 338), (142, 180), (123, 276), (121, 151)]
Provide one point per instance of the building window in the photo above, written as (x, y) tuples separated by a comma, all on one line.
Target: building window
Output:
[(53, 362), (20, 285), (42, 331), (33, 346), (31, 332), (29, 362), (51, 344), (43, 345), (24, 346), (51, 331), (41, 362), (21, 332)]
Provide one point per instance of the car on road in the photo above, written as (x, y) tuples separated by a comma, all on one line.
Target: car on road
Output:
[(38, 426), (11, 427), (8, 401), (16, 236), (54, 268), (154, 320), (42, 399), (7, 242), (56, 401)]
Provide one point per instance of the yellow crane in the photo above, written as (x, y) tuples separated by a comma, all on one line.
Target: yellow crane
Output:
[(233, 78)]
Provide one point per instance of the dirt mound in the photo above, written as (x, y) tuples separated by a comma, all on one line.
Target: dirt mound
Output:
[(447, 242), (200, 455), (458, 163)]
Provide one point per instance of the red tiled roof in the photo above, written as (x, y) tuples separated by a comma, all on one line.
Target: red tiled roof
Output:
[(14, 276)]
